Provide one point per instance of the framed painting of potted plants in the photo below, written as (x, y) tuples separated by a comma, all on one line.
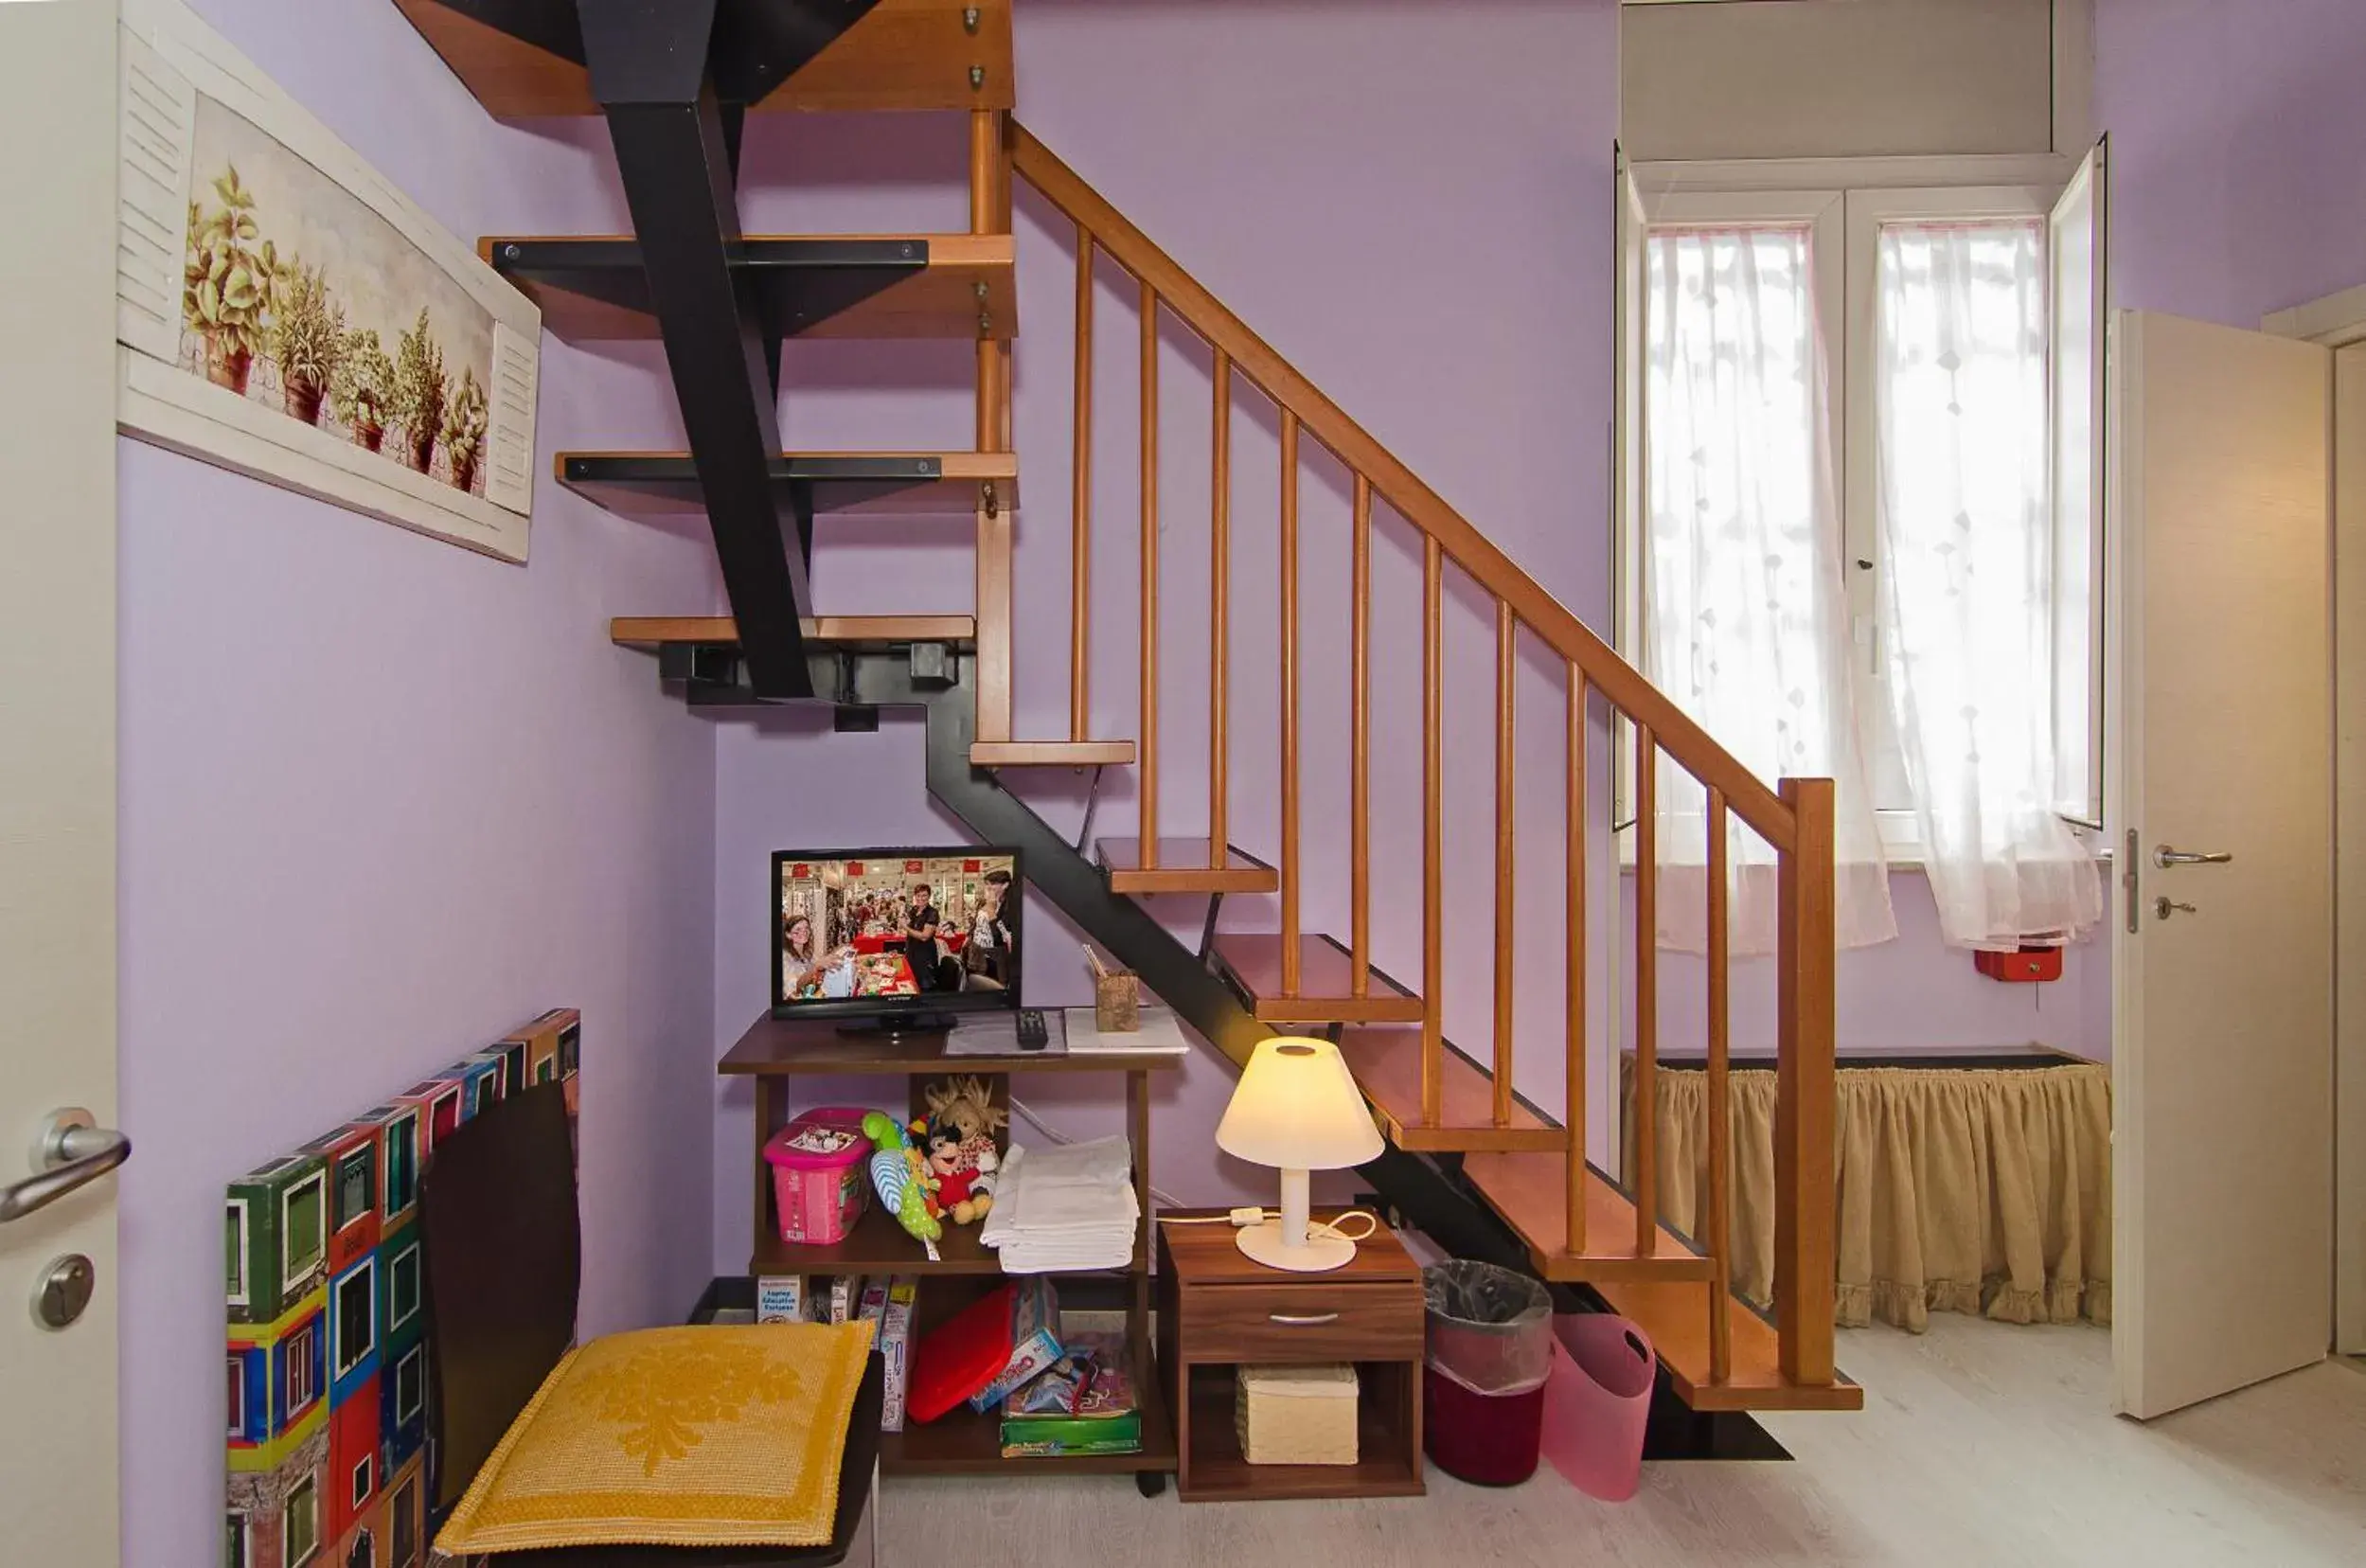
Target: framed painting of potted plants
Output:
[(283, 311)]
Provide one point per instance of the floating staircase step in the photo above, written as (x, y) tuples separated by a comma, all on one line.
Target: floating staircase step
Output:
[(658, 631), (1530, 1192), (1676, 1314), (523, 59), (1325, 994), (1051, 754), (1182, 867), (657, 486), (592, 289), (1387, 1060)]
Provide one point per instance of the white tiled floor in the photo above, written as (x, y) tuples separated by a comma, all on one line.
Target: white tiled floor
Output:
[(1980, 1443)]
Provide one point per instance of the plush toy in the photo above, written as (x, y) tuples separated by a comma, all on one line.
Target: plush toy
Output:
[(958, 1135), (902, 1180)]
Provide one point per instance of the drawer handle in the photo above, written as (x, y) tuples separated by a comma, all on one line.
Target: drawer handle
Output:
[(1302, 1320)]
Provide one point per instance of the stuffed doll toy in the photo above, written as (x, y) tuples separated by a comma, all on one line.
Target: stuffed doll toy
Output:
[(958, 1137)]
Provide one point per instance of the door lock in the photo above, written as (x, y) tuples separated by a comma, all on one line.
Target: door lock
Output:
[(64, 1291), (2165, 906)]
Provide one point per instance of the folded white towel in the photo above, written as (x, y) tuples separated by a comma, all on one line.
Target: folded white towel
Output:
[(1065, 1207)]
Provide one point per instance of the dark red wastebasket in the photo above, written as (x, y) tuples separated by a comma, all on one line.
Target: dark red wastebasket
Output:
[(1489, 1350)]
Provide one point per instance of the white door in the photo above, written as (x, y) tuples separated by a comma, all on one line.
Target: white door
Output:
[(2221, 724), (58, 766)]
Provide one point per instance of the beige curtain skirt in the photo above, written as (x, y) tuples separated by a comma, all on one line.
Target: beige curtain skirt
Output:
[(1977, 1190)]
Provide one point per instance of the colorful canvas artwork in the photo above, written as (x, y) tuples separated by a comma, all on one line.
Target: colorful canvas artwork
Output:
[(325, 1284)]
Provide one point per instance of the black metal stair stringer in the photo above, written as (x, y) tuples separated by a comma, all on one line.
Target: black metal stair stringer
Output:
[(750, 49), (648, 72)]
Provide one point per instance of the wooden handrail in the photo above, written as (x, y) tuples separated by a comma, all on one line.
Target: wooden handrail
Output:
[(1621, 684)]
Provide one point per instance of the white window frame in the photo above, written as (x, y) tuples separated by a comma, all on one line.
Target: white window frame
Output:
[(307, 1486), (397, 1314), (408, 1409), (365, 1275), (238, 1293), (365, 1479), (1822, 213), (1845, 200), (406, 1127), (1860, 487), (298, 1362)]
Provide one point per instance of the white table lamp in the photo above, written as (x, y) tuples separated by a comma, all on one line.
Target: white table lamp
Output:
[(1298, 1109)]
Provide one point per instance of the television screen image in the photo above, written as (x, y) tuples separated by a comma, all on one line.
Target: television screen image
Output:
[(892, 932)]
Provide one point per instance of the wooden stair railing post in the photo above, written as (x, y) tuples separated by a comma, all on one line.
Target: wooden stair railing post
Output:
[(1645, 1099), (1220, 610), (989, 213), (1573, 918), (1360, 746), (1432, 855), (1290, 704), (1147, 783), (1506, 936), (1805, 1180), (1081, 507), (1719, 1236)]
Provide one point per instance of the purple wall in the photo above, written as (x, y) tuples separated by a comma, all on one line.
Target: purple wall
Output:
[(2237, 186), (383, 799), (1410, 202)]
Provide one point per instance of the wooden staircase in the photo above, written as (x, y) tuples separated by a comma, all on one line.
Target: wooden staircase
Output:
[(1452, 1115)]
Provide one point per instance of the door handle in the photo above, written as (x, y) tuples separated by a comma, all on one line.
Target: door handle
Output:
[(2164, 856), (2165, 906), (71, 1153), (1302, 1320)]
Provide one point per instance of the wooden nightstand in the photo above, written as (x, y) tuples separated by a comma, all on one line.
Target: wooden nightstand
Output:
[(1217, 1309)]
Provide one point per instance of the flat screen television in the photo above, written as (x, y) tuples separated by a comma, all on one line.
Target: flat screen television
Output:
[(898, 939)]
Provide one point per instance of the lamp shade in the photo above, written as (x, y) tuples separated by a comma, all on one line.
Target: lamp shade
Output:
[(1297, 1107)]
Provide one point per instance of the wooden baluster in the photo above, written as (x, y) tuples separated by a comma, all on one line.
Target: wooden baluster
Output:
[(989, 213), (1804, 1175), (1432, 853), (1146, 785), (1290, 704), (1647, 1095), (1507, 682), (1360, 746), (1573, 920), (1219, 627), (1719, 1236), (1081, 507)]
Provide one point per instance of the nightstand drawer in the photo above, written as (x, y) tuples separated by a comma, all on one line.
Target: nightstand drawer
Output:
[(1301, 1323)]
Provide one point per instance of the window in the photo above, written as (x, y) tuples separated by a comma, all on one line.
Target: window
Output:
[(357, 1185), (402, 1287), (364, 1477), (411, 1383), (403, 1548), (234, 1541), (570, 1049), (303, 1236), (237, 1397), (357, 1316), (1869, 530), (234, 1244), (300, 1529), (403, 1163), (299, 1368)]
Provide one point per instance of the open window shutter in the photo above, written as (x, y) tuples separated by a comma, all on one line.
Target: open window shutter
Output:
[(158, 107), (2078, 317), (509, 480), (1627, 456)]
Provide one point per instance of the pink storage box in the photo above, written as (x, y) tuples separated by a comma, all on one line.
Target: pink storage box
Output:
[(820, 1176)]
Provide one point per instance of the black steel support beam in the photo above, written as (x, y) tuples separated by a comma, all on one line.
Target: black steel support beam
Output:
[(749, 51), (647, 63)]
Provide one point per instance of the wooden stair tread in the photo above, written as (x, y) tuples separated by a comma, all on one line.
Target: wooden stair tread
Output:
[(1674, 1313), (905, 54), (1530, 1191), (1182, 867), (1051, 754), (652, 632), (657, 486), (592, 289), (1386, 1061), (1326, 991)]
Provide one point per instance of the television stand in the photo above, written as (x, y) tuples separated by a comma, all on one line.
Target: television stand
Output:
[(918, 1021)]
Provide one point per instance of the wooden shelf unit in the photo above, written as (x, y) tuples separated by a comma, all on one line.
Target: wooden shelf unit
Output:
[(773, 1052), (656, 487)]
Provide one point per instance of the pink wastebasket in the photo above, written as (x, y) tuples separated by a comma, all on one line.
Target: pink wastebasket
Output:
[(1597, 1401)]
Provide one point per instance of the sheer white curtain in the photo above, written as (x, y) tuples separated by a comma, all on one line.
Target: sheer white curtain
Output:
[(1967, 585), (1744, 619)]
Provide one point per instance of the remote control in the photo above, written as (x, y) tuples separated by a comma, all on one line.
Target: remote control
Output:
[(1033, 1033)]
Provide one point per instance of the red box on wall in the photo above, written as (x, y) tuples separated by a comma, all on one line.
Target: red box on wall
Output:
[(2029, 963)]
